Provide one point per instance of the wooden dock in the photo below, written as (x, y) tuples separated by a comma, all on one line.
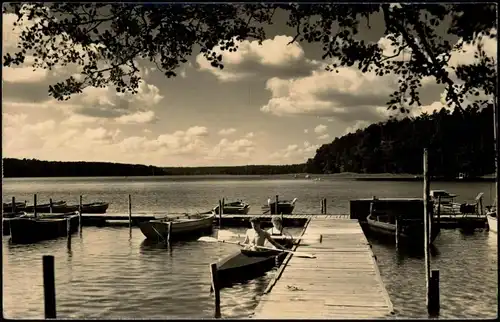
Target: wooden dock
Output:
[(342, 282)]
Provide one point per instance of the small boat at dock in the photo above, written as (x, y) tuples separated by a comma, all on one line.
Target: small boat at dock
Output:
[(31, 229), (6, 217), (57, 207), (180, 227), (245, 265), (98, 207), (19, 206), (285, 207), (234, 208)]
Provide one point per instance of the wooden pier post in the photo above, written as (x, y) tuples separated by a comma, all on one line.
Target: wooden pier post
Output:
[(434, 306), (220, 214), (216, 289), (324, 205), (130, 212), (34, 205), (49, 287), (398, 230), (14, 204), (80, 207), (427, 223), (68, 232), (50, 205), (439, 212), (169, 229), (276, 205)]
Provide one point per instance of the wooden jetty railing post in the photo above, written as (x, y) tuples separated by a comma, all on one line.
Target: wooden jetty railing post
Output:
[(216, 289), (130, 212), (50, 205), (14, 204), (276, 205), (169, 229), (49, 287), (34, 205)]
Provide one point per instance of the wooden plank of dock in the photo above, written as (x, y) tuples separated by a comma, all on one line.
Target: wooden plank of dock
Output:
[(342, 282)]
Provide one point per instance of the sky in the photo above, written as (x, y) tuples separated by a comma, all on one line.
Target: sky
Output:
[(271, 104)]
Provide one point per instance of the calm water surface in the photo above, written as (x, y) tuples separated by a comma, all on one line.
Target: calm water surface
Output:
[(108, 273)]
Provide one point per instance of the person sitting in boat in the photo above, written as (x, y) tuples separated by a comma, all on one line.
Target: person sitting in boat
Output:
[(277, 229), (256, 236)]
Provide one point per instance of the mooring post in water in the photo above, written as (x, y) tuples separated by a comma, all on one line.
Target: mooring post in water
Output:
[(276, 205), (34, 205), (426, 227), (398, 230), (49, 287), (215, 288), (325, 205), (434, 306), (322, 209), (439, 212), (68, 231), (130, 212), (169, 230), (220, 213), (50, 205), (14, 204)]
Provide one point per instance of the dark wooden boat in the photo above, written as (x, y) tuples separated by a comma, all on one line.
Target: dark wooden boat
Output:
[(285, 207), (6, 217), (57, 207), (87, 208), (382, 221), (411, 231), (25, 230), (245, 265), (20, 206), (236, 207), (181, 227)]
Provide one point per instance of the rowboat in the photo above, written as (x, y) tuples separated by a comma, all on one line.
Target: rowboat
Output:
[(235, 208), (6, 217), (7, 207), (88, 208), (57, 207), (180, 227), (245, 265), (284, 206), (492, 221), (25, 230), (411, 231)]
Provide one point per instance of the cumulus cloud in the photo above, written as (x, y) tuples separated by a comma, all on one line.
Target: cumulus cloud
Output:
[(306, 131), (249, 135), (273, 57), (345, 96), (324, 136), (137, 118), (358, 125), (228, 131), (320, 129), (228, 150), (295, 153)]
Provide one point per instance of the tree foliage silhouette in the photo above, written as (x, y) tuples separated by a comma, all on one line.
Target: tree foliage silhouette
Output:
[(106, 40)]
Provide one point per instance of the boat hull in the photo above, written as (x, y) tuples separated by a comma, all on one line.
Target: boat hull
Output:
[(26, 230), (413, 234), (90, 208), (244, 265), (7, 207), (283, 208), (233, 210), (57, 207), (492, 223), (190, 227), (6, 218)]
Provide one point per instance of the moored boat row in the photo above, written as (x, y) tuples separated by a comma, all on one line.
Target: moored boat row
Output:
[(240, 207), (57, 207)]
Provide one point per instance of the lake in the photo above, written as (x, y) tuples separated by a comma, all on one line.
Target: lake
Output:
[(108, 273)]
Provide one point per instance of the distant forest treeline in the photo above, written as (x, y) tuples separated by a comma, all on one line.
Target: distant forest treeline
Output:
[(458, 143), (38, 168)]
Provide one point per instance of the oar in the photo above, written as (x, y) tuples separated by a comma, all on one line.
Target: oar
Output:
[(230, 234), (215, 240)]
